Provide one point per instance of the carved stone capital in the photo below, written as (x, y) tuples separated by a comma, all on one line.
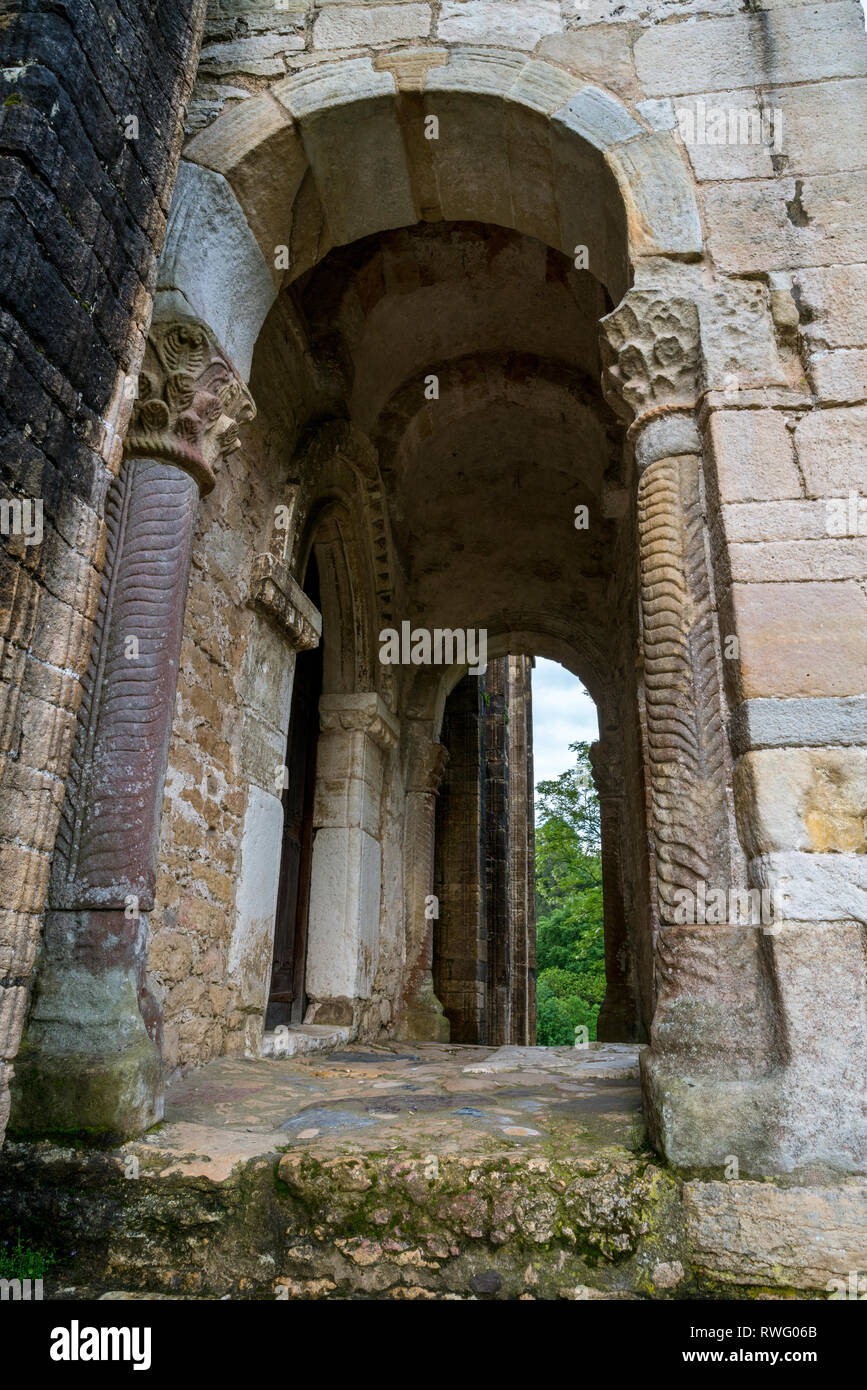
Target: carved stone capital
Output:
[(426, 765), (277, 594), (607, 767), (190, 402), (364, 712), (650, 355)]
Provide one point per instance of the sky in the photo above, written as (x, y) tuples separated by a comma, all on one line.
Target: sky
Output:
[(562, 714)]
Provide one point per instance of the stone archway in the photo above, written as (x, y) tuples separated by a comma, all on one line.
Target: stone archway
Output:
[(526, 146)]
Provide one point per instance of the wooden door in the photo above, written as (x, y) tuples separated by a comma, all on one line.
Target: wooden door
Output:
[(286, 1001)]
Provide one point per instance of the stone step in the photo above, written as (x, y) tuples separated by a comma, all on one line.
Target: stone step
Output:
[(303, 1039)]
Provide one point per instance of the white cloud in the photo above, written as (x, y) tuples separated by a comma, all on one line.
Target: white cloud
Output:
[(562, 714)]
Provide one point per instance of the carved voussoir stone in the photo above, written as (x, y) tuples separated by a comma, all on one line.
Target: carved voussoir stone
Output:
[(277, 594), (190, 402)]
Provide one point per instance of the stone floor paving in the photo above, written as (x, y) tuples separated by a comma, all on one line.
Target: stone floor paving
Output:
[(437, 1097)]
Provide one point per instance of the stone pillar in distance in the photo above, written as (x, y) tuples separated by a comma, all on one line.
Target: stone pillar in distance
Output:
[(617, 1020), (422, 1017)]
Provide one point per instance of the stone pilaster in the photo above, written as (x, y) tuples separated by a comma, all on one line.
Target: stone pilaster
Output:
[(358, 733), (90, 1060), (617, 1020), (497, 867), (422, 1015), (460, 942), (522, 887)]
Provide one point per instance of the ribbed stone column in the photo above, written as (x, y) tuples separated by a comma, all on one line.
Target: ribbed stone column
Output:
[(90, 1061), (713, 1034)]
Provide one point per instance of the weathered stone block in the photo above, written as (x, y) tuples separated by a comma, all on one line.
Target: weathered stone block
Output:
[(252, 940), (601, 54), (754, 455), (518, 24), (800, 639), (730, 158), (344, 914), (804, 799), (773, 521), (259, 151), (356, 26), (840, 375), (816, 887), (791, 45), (834, 305), (794, 1237), (213, 264), (717, 53), (814, 221), (260, 55), (660, 204), (824, 125), (831, 446), (775, 561)]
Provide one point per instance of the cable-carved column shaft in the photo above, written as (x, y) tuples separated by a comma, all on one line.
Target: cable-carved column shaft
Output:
[(90, 1061)]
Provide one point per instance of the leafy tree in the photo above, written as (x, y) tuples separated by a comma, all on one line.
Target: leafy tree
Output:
[(570, 953)]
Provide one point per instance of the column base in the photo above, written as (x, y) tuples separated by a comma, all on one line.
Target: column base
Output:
[(617, 1020), (87, 1067), (777, 1123), (759, 1048), (423, 1019), (103, 1100)]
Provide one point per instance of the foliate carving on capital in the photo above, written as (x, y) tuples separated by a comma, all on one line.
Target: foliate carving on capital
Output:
[(650, 354), (190, 402)]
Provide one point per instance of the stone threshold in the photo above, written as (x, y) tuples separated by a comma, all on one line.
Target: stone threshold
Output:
[(420, 1171), (303, 1039)]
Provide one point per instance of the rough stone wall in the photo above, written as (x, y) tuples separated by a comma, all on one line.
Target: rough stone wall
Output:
[(82, 218), (638, 49), (211, 769)]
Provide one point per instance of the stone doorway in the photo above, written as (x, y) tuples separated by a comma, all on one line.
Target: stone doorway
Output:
[(287, 998), (460, 346)]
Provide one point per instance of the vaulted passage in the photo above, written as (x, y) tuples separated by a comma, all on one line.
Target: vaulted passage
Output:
[(464, 358)]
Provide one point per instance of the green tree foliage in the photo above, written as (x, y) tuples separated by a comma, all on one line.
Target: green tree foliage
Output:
[(570, 955)]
